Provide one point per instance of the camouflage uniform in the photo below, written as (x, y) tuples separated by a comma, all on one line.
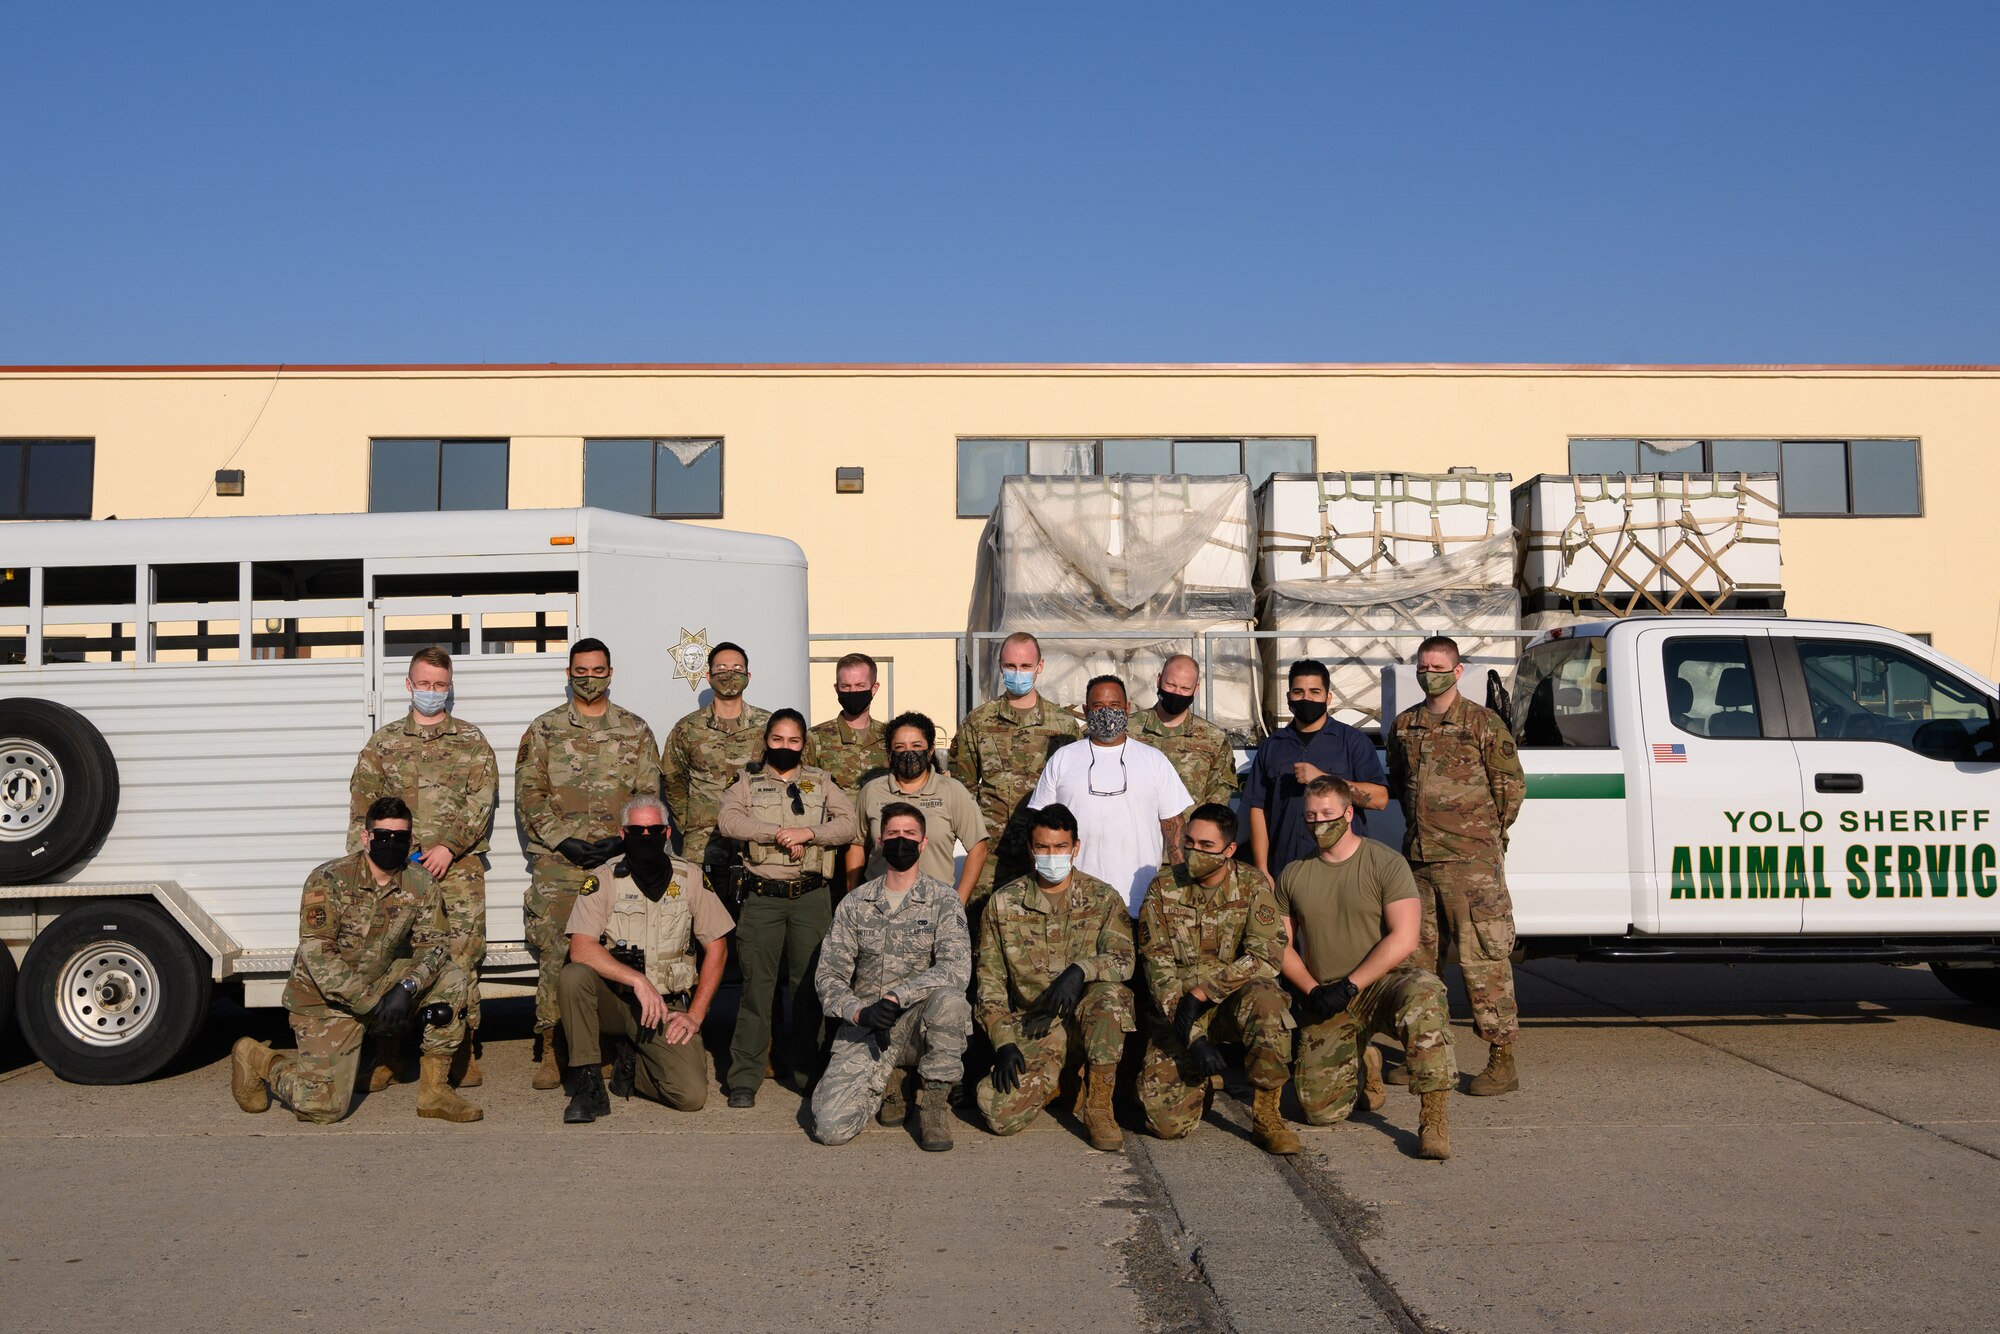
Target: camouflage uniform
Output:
[(1459, 780), (998, 754), (1408, 1004), (852, 757), (1229, 941), (703, 756), (350, 932), (572, 778), (1199, 751), (1025, 940), (920, 951), (446, 775)]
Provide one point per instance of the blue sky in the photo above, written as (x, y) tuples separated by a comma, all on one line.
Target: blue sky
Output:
[(1446, 181)]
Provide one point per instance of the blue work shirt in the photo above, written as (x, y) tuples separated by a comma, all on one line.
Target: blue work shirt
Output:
[(1336, 749)]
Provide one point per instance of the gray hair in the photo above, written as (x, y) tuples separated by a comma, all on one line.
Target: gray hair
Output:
[(645, 801)]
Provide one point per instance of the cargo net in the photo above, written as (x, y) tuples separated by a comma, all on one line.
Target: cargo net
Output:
[(1662, 564), (1386, 494), (1227, 697), (1348, 625), (1132, 552)]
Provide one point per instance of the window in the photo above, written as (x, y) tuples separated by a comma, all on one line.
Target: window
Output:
[(983, 463), (46, 479), (1560, 701), (665, 479), (408, 475), (1815, 477), (1870, 692), (1710, 689)]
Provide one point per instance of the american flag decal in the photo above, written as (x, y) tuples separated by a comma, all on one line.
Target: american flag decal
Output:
[(1669, 752)]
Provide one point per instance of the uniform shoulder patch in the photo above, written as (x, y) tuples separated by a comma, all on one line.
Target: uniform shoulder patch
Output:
[(1266, 915), (589, 885)]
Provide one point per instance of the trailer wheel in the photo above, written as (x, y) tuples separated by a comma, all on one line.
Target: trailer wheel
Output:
[(1973, 982), (112, 992), (58, 790), (9, 977)]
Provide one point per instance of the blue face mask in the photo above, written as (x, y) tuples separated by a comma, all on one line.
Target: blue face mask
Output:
[(1017, 684), (1052, 867), (428, 702)]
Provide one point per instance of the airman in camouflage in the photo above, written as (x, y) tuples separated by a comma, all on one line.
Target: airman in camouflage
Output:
[(999, 753), (356, 915), (708, 748), (442, 768), (894, 968), (853, 746), (1054, 957), (578, 765), (1199, 750), (1454, 768), (1210, 942)]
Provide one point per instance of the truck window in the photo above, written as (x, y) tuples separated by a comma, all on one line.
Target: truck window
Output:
[(1710, 691), (1560, 696), (1871, 692)]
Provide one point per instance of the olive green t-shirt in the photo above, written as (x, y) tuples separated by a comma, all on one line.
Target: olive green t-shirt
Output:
[(1337, 906)]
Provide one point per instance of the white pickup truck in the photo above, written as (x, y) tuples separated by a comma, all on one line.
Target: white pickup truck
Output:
[(1741, 789)]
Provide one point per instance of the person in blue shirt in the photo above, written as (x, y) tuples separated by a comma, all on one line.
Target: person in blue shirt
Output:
[(1311, 745)]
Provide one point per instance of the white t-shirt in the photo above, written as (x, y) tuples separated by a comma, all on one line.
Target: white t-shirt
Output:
[(1120, 831)]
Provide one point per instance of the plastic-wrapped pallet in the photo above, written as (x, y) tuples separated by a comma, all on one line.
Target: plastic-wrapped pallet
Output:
[(1330, 525), (1701, 542), (1342, 622), (1152, 560)]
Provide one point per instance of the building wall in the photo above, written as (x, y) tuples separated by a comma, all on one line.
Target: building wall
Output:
[(897, 559)]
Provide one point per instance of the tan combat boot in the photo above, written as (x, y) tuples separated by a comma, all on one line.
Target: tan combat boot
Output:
[(1433, 1129), (465, 1064), (435, 1096), (1399, 1073), (1267, 1126), (251, 1063), (1373, 1096), (1098, 1122), (895, 1108), (934, 1116), (385, 1068), (1498, 1076), (548, 1075)]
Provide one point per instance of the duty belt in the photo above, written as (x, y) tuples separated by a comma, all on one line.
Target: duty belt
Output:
[(805, 883)]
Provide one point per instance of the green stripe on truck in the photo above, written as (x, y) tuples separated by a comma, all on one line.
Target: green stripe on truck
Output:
[(1577, 787)]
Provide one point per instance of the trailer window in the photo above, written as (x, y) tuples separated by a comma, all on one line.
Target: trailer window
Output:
[(1560, 696)]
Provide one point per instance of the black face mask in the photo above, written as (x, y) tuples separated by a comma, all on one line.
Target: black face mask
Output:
[(646, 858), (900, 853), (389, 848), (1171, 705), (1306, 712), (909, 764), (854, 703), (781, 759)]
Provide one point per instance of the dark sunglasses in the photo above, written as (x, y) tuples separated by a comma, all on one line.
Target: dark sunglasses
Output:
[(635, 830), (798, 802)]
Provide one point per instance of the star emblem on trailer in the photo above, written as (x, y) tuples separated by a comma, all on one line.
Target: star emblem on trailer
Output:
[(690, 657)]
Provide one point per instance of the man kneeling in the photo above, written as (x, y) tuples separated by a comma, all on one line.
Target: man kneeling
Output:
[(1353, 916), (894, 967), (1055, 949), (632, 977), (355, 916)]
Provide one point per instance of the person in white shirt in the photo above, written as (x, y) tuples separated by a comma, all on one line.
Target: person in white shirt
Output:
[(1126, 795)]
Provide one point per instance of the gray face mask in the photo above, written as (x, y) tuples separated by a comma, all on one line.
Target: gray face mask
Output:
[(428, 702), (1104, 724)]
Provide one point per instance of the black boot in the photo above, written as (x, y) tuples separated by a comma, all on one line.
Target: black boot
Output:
[(624, 1069), (590, 1101)]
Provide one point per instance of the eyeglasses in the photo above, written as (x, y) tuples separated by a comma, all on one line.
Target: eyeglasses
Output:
[(1090, 776), (798, 802), (640, 830), (580, 672)]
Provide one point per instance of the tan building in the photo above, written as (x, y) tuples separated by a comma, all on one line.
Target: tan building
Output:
[(1888, 472)]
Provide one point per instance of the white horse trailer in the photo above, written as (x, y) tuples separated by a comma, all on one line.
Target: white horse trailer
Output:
[(181, 701)]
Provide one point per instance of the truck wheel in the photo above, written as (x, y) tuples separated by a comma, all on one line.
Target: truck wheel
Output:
[(58, 790), (1973, 982), (112, 992)]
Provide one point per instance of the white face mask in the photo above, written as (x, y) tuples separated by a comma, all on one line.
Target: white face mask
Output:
[(428, 702), (1053, 867)]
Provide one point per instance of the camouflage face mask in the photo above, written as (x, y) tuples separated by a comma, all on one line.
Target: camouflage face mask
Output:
[(728, 682), (589, 689), (1436, 683)]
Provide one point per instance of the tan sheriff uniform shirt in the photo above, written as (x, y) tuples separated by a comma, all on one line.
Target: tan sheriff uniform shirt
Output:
[(950, 813)]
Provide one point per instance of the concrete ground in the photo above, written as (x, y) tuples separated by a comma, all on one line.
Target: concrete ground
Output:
[(1694, 1147)]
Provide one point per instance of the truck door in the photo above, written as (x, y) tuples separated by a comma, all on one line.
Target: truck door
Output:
[(1901, 780), (1728, 853)]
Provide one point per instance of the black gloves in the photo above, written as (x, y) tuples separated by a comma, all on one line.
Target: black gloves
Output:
[(1328, 999), (1057, 1001), (588, 856), (1206, 1058), (392, 1012), (879, 1017), (1190, 1009), (1008, 1067)]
